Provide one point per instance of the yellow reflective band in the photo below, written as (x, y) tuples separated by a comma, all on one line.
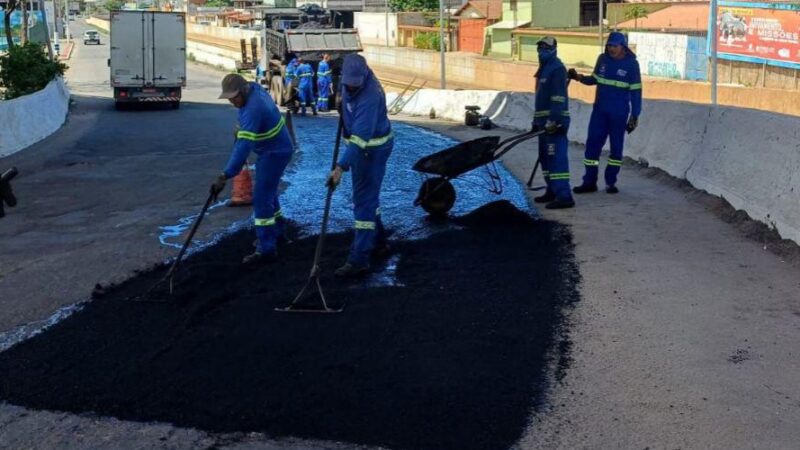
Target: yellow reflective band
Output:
[(565, 113), (278, 213), (541, 113), (364, 225), (591, 162), (636, 86), (559, 176), (250, 136), (558, 98), (545, 172), (374, 142), (306, 75), (378, 212), (615, 83), (323, 74), (614, 162), (264, 222)]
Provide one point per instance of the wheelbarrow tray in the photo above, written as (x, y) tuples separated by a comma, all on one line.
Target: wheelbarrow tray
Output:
[(461, 158)]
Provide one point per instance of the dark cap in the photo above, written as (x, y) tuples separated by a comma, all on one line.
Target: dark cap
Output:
[(547, 41), (354, 70), (232, 85)]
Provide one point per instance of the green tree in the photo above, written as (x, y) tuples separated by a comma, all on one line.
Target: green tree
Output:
[(413, 5), (218, 3), (113, 5), (636, 12), (26, 69), (11, 5)]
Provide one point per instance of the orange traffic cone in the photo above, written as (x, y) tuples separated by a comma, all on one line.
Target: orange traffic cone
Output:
[(242, 190)]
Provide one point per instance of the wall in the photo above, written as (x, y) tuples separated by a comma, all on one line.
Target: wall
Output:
[(670, 55), (372, 28), (707, 146), (233, 34), (501, 42), (29, 119), (480, 72), (213, 55), (556, 13), (573, 50), (98, 23)]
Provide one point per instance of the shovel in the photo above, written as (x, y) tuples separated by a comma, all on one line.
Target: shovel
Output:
[(313, 277)]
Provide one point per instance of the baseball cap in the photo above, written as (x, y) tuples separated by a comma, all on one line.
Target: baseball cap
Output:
[(232, 85), (354, 70)]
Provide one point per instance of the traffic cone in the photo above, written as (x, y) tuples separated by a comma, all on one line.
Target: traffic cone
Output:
[(242, 190)]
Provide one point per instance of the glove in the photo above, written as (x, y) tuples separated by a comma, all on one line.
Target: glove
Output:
[(633, 122), (534, 127), (334, 178), (573, 74), (218, 185), (551, 127)]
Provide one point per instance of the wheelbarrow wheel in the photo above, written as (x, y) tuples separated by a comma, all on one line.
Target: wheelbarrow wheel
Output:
[(436, 196)]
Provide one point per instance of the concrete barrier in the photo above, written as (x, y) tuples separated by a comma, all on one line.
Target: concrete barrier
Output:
[(29, 119), (213, 55), (750, 158)]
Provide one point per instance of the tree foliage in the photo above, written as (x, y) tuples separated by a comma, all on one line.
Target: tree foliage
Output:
[(114, 5), (636, 12), (413, 5), (26, 69), (219, 3)]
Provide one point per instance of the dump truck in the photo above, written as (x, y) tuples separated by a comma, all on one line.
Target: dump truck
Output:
[(148, 57), (289, 34)]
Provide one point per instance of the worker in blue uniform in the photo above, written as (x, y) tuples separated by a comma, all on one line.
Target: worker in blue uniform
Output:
[(291, 68), (617, 106), (324, 82), (369, 142), (305, 87), (261, 130), (552, 115)]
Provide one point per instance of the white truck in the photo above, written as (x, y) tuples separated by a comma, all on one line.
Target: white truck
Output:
[(148, 56)]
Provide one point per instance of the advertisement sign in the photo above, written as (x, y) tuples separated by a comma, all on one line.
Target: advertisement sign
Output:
[(758, 32), (37, 30)]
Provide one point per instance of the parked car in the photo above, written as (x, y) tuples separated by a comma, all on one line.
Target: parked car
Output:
[(91, 36)]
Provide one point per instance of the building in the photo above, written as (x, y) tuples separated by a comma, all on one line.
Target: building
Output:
[(474, 16)]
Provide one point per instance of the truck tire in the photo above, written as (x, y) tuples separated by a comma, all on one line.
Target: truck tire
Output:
[(176, 105)]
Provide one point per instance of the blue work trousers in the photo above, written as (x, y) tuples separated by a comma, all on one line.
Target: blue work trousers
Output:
[(368, 170), (266, 206), (306, 95), (555, 164), (323, 92), (604, 125)]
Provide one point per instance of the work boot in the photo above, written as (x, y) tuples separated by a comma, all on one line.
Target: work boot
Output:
[(381, 250), (612, 189), (585, 188), (546, 198), (560, 204), (314, 110), (257, 258), (351, 271)]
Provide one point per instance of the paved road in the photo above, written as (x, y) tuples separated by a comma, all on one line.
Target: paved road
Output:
[(686, 337)]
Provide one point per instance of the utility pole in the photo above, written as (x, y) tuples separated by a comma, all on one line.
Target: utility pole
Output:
[(386, 14), (713, 31), (441, 41), (600, 24)]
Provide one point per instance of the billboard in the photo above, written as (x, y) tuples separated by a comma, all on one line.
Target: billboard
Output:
[(37, 29), (758, 32)]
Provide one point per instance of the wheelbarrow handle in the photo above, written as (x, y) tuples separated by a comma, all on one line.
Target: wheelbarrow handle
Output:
[(506, 145)]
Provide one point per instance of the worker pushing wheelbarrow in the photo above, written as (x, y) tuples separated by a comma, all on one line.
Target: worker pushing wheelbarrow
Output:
[(437, 194)]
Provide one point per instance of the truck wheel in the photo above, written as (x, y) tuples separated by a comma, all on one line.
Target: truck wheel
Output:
[(176, 105), (119, 106)]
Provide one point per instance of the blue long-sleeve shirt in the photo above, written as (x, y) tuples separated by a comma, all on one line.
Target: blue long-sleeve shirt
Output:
[(305, 74), (365, 119), (261, 129), (619, 84), (324, 71), (552, 100)]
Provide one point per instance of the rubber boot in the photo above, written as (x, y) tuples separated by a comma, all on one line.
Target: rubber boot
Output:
[(546, 198), (585, 189), (314, 109), (612, 190), (560, 204), (258, 258), (351, 271)]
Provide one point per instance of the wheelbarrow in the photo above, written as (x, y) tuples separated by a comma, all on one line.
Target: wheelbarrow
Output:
[(437, 194)]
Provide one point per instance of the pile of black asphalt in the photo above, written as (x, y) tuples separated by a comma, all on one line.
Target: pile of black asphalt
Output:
[(457, 352)]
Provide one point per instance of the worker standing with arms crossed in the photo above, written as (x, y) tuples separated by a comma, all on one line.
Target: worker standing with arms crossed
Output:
[(369, 138), (305, 87), (617, 106), (324, 83), (261, 130), (552, 115)]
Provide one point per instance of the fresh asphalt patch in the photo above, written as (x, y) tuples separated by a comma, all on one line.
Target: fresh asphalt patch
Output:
[(456, 352)]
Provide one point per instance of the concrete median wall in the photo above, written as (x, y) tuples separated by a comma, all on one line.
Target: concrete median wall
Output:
[(213, 55), (750, 158), (29, 119)]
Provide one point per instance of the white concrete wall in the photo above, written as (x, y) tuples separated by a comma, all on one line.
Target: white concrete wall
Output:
[(750, 158), (372, 28), (213, 55), (29, 119), (231, 34)]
